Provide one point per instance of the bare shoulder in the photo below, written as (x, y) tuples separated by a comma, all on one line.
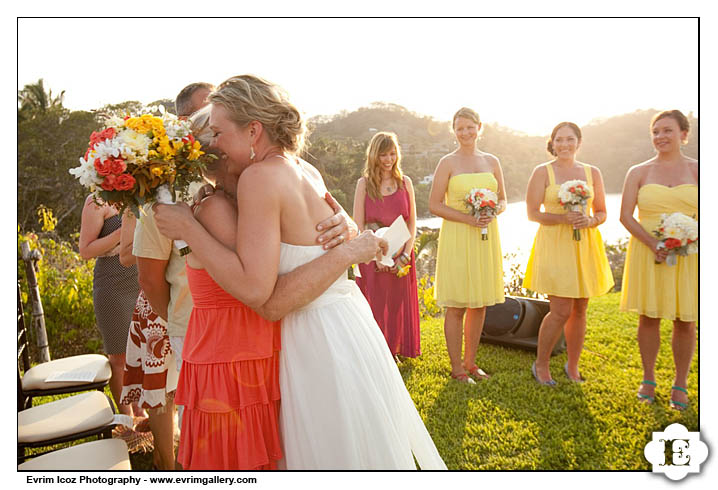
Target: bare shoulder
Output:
[(212, 207), (541, 170), (492, 159), (309, 168), (639, 170), (407, 180), (446, 163), (361, 183), (595, 171), (90, 203)]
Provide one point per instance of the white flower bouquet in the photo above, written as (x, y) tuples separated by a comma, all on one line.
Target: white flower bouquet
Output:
[(573, 196), (482, 202), (679, 234)]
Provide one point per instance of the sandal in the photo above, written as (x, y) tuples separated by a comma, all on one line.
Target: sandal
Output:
[(647, 399), (478, 373), (675, 404), (463, 378), (550, 382), (580, 379)]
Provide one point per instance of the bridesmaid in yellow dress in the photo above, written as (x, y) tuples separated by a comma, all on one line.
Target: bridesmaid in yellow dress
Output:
[(469, 271), (569, 271), (667, 183)]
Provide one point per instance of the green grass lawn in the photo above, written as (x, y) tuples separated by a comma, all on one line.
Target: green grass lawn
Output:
[(510, 422)]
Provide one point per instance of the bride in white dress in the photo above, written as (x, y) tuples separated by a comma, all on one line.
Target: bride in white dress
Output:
[(344, 404)]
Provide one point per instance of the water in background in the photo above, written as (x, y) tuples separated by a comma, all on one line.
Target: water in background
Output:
[(517, 232)]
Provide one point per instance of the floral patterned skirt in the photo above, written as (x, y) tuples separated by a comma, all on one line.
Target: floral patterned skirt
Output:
[(150, 376)]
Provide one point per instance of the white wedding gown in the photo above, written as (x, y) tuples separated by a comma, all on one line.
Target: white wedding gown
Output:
[(344, 404)]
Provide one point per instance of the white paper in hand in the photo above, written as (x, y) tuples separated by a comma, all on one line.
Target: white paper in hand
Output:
[(397, 235)]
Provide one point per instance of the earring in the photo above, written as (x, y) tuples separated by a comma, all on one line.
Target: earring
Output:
[(251, 153)]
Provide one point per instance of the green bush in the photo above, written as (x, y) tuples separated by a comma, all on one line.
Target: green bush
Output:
[(616, 253), (65, 282)]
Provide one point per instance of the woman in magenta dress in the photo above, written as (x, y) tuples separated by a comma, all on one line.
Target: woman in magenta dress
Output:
[(382, 194)]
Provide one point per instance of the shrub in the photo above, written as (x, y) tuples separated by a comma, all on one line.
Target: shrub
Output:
[(65, 282), (616, 254), (514, 281)]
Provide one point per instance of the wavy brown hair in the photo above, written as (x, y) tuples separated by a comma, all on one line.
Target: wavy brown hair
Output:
[(382, 142)]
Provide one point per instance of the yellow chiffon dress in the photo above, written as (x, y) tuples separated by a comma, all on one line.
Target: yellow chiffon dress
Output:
[(661, 290), (562, 266), (469, 270)]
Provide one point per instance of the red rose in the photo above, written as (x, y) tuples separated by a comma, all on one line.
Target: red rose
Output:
[(188, 139), (109, 183), (672, 243), (124, 182), (95, 137), (103, 168), (492, 204), (117, 165), (572, 189)]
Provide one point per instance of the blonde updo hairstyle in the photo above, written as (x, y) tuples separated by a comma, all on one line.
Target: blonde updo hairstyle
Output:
[(249, 98), (382, 142), (466, 113)]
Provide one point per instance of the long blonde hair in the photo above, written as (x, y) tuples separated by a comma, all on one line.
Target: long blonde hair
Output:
[(382, 142)]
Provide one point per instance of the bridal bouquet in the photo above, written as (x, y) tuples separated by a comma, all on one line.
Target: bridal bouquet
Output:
[(481, 202), (679, 234), (573, 196), (137, 160)]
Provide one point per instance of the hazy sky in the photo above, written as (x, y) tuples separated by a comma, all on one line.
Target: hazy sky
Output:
[(527, 74)]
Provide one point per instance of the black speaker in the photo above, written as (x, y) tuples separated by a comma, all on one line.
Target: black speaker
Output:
[(516, 322)]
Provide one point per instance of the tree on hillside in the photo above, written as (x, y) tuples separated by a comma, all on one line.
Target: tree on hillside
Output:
[(340, 162), (34, 100), (49, 144)]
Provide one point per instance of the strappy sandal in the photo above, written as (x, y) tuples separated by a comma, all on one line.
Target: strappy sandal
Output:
[(675, 404), (478, 373), (463, 378), (647, 399)]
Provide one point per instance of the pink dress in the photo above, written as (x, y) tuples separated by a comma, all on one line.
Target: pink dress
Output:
[(393, 300)]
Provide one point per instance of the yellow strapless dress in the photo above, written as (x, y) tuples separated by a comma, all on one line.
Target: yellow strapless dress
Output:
[(562, 266), (469, 271), (661, 290)]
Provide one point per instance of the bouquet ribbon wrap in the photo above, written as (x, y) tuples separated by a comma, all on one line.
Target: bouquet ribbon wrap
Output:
[(164, 196)]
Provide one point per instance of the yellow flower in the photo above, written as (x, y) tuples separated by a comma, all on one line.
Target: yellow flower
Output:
[(157, 171), (403, 271)]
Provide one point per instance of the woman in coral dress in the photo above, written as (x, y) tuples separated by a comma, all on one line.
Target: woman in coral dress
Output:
[(383, 194), (469, 270), (667, 183), (344, 403), (569, 271)]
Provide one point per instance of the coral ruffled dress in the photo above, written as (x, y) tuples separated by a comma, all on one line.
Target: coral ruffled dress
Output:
[(229, 383)]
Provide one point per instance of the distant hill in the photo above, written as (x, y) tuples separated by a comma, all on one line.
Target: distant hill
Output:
[(612, 144)]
